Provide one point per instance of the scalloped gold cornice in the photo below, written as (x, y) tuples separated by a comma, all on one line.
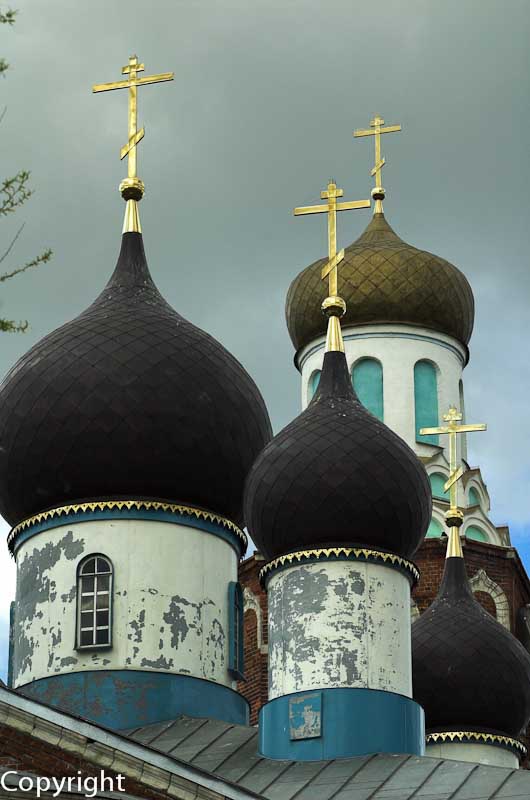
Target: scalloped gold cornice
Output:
[(335, 553), (120, 505), (479, 737)]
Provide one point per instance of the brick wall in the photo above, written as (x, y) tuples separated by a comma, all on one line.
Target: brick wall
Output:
[(24, 753)]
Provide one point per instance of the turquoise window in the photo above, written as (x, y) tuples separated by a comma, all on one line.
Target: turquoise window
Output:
[(314, 380), (426, 400), (437, 486), (473, 532), (474, 499), (434, 530), (368, 384), (235, 623)]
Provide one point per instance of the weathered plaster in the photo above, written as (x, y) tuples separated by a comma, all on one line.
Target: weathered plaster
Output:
[(170, 608), (339, 624)]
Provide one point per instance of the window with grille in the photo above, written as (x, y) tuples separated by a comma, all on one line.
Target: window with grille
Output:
[(94, 602)]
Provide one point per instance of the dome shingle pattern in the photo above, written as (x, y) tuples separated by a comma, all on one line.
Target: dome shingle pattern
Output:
[(469, 672), (337, 475), (385, 280), (128, 400)]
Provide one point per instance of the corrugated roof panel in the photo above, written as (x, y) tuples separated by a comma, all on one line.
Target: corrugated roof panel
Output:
[(328, 783), (408, 778), (226, 745), (484, 781), (201, 738), (445, 780), (517, 787), (241, 762), (265, 772), (294, 779), (369, 778)]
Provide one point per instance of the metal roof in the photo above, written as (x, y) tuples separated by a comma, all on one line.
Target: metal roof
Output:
[(230, 753)]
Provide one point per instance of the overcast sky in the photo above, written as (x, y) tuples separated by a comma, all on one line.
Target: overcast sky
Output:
[(260, 114)]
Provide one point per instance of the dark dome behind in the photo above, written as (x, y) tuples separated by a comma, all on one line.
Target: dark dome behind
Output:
[(128, 400), (468, 671), (337, 475), (384, 279)]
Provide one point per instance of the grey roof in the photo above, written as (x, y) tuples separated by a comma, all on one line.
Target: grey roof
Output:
[(230, 753)]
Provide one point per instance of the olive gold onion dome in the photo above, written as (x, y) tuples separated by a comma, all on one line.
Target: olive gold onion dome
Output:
[(384, 279), (128, 400)]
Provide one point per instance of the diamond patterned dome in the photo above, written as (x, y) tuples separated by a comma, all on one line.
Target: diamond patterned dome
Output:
[(468, 671), (128, 400), (337, 476), (383, 279)]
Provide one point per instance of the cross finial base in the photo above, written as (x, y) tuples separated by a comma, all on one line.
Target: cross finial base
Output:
[(132, 189)]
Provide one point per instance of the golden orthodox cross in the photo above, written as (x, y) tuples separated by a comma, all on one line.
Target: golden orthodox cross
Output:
[(453, 428), (376, 129), (330, 208), (133, 81)]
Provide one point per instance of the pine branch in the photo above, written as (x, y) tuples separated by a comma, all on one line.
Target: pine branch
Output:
[(8, 17), (42, 259), (14, 192), (8, 326)]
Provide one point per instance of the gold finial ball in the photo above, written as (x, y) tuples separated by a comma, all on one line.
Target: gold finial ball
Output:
[(454, 518), (333, 307), (378, 193), (132, 189)]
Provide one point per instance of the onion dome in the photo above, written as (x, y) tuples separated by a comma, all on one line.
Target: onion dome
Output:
[(128, 400), (336, 475), (469, 672), (385, 280)]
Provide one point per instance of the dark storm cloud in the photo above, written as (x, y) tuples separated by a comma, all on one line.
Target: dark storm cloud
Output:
[(260, 115)]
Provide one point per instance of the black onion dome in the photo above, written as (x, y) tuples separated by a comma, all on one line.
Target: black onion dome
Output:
[(384, 280), (337, 475), (128, 400), (468, 671)]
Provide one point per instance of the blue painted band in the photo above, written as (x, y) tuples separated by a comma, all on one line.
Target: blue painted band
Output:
[(188, 520), (354, 722), (122, 699)]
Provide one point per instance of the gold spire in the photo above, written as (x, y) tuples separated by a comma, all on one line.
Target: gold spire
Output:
[(376, 124), (132, 188), (333, 306), (454, 517)]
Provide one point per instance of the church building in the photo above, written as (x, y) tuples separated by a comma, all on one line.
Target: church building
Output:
[(376, 644)]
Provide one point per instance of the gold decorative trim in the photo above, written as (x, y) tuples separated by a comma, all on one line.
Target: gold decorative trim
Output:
[(119, 505), (477, 736), (359, 553)]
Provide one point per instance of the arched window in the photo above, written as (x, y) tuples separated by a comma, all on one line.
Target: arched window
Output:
[(476, 533), (434, 530), (94, 602), (367, 380), (236, 647), (437, 486), (473, 498), (426, 400), (314, 380)]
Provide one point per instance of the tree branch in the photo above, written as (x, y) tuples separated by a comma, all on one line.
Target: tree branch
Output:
[(42, 259)]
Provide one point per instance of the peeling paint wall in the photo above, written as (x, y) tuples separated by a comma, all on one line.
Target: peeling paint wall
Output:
[(170, 600), (339, 624)]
